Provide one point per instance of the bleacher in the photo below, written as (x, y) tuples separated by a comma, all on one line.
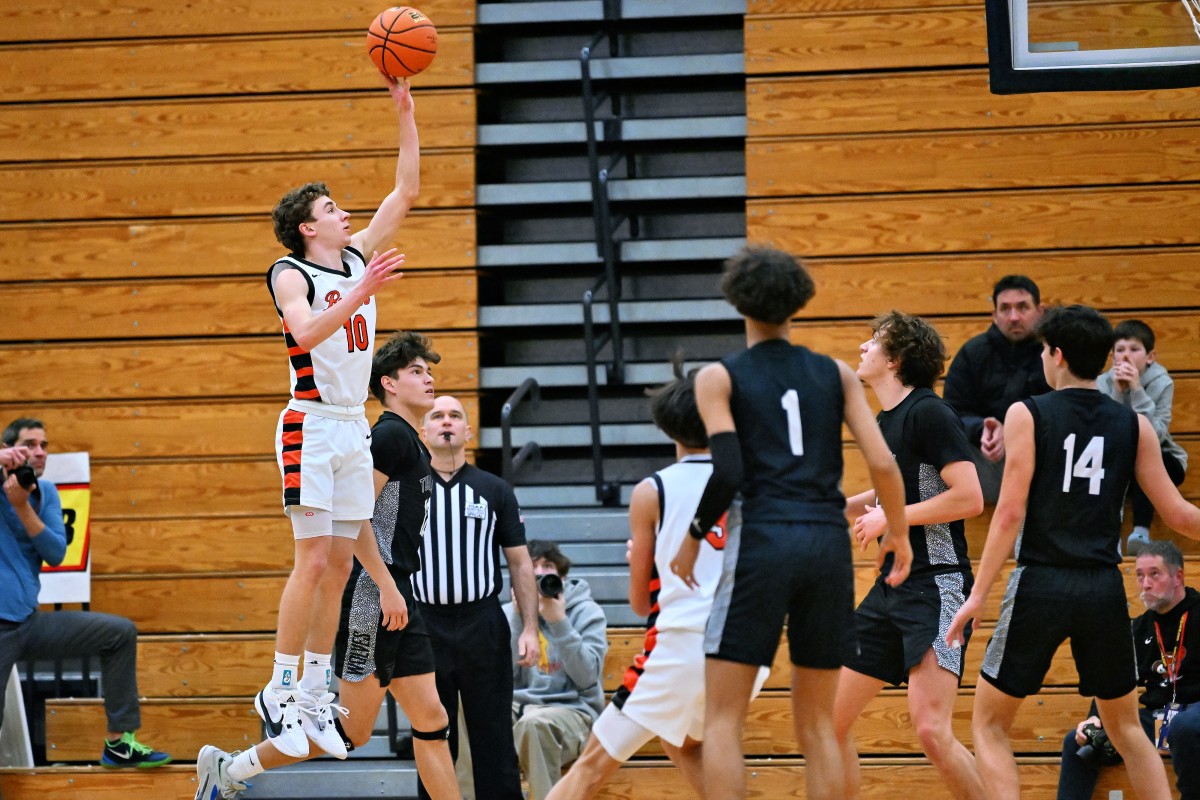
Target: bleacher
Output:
[(144, 145)]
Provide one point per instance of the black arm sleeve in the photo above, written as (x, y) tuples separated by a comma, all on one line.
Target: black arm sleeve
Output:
[(722, 486)]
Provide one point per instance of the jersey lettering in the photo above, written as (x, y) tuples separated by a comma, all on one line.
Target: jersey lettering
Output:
[(791, 406), (1090, 464), (357, 335)]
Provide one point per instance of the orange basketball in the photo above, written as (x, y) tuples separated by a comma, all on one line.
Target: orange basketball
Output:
[(402, 41)]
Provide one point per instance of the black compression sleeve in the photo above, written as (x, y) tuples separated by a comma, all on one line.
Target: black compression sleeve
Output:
[(723, 486)]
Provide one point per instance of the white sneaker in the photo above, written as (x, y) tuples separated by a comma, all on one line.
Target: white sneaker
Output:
[(212, 780), (1137, 538), (281, 712), (317, 718)]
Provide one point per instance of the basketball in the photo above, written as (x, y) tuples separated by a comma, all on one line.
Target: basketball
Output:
[(402, 42)]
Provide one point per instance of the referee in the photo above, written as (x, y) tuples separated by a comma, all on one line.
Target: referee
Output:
[(472, 515)]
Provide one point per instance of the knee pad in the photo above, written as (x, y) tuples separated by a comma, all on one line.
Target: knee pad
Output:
[(308, 522), (337, 723), (432, 736)]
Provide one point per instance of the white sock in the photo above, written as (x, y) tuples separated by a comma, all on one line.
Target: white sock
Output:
[(287, 670), (317, 673), (245, 765)]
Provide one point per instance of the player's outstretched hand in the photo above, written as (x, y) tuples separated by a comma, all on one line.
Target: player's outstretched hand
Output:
[(393, 608), (382, 269), (967, 612), (527, 648), (684, 562), (870, 526), (901, 550)]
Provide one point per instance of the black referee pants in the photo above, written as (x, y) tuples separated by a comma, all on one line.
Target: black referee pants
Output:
[(472, 648)]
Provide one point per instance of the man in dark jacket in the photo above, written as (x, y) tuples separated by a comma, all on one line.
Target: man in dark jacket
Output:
[(995, 369), (1167, 642)]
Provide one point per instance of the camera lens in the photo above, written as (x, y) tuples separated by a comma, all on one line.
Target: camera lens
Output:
[(550, 585)]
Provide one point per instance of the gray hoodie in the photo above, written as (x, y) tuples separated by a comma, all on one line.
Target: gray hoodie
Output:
[(1152, 401), (571, 658)]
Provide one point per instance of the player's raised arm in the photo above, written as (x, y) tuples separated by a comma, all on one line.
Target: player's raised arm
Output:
[(885, 475), (383, 226)]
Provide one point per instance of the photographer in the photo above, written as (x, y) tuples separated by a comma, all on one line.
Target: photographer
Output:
[(556, 700), (1169, 671), (32, 531)]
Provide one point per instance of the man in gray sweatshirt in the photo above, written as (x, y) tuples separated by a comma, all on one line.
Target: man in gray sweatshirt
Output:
[(556, 700)]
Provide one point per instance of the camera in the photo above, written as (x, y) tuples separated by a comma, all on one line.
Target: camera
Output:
[(26, 477), (550, 585), (1098, 751)]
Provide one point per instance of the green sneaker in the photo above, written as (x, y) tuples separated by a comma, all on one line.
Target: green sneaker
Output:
[(129, 752)]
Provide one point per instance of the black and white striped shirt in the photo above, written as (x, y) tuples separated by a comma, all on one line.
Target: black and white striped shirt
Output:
[(471, 517)]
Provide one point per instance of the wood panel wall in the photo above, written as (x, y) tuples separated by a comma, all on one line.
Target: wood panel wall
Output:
[(876, 151), (142, 149)]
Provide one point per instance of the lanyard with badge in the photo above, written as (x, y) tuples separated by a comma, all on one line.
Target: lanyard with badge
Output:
[(1169, 666)]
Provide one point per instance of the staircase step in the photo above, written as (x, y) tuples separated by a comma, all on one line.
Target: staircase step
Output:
[(631, 312), (344, 780), (559, 70), (574, 375), (631, 130), (532, 254), (535, 192), (593, 10), (577, 435)]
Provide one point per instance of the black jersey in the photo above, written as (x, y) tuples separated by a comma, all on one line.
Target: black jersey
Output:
[(787, 405), (402, 508), (924, 435), (1086, 447)]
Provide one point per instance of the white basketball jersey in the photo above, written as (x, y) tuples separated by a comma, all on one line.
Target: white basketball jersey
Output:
[(338, 370), (679, 488)]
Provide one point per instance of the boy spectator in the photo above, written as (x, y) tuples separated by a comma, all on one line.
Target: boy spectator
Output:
[(556, 700), (1138, 381)]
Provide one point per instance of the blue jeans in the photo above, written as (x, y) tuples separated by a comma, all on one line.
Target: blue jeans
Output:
[(1077, 780)]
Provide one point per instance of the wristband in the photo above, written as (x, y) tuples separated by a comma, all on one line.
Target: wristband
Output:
[(694, 530)]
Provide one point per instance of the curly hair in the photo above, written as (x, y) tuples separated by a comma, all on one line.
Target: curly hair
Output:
[(673, 408), (400, 350), (915, 344), (1082, 334), (294, 208), (766, 285)]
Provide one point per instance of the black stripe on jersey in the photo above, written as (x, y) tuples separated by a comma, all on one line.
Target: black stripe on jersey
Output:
[(458, 562), (291, 497)]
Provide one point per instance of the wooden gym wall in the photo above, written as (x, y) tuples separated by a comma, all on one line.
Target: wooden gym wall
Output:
[(143, 147), (876, 150)]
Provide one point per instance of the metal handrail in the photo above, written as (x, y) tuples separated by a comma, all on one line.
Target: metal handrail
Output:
[(510, 464)]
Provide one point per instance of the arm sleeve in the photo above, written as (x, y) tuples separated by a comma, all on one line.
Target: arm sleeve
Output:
[(582, 643), (510, 523), (723, 485), (51, 543), (939, 434)]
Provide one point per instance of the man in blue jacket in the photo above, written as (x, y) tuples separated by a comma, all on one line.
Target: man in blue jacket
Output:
[(32, 531)]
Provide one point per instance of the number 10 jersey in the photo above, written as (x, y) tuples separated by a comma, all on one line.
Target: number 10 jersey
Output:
[(338, 370)]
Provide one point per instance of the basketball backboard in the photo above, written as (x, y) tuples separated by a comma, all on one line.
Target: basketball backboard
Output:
[(1081, 45)]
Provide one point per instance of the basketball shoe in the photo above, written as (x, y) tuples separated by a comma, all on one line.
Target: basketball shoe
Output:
[(317, 718), (281, 712)]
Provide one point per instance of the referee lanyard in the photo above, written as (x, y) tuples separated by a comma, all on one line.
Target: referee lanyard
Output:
[(1171, 662)]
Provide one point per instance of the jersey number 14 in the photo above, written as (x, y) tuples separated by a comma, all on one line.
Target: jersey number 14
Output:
[(1090, 464)]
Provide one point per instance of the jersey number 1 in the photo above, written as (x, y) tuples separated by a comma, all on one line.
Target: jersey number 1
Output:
[(791, 406), (357, 337), (1090, 464)]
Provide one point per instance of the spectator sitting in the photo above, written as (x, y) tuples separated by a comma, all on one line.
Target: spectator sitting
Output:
[(999, 367), (1137, 380), (1169, 604), (556, 700), (32, 531)]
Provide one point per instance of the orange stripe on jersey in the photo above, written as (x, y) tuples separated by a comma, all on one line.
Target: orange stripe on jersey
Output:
[(293, 437), (310, 394), (293, 417), (304, 372), (291, 457), (291, 480)]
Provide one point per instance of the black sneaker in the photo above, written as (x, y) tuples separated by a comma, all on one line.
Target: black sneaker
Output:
[(129, 752)]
